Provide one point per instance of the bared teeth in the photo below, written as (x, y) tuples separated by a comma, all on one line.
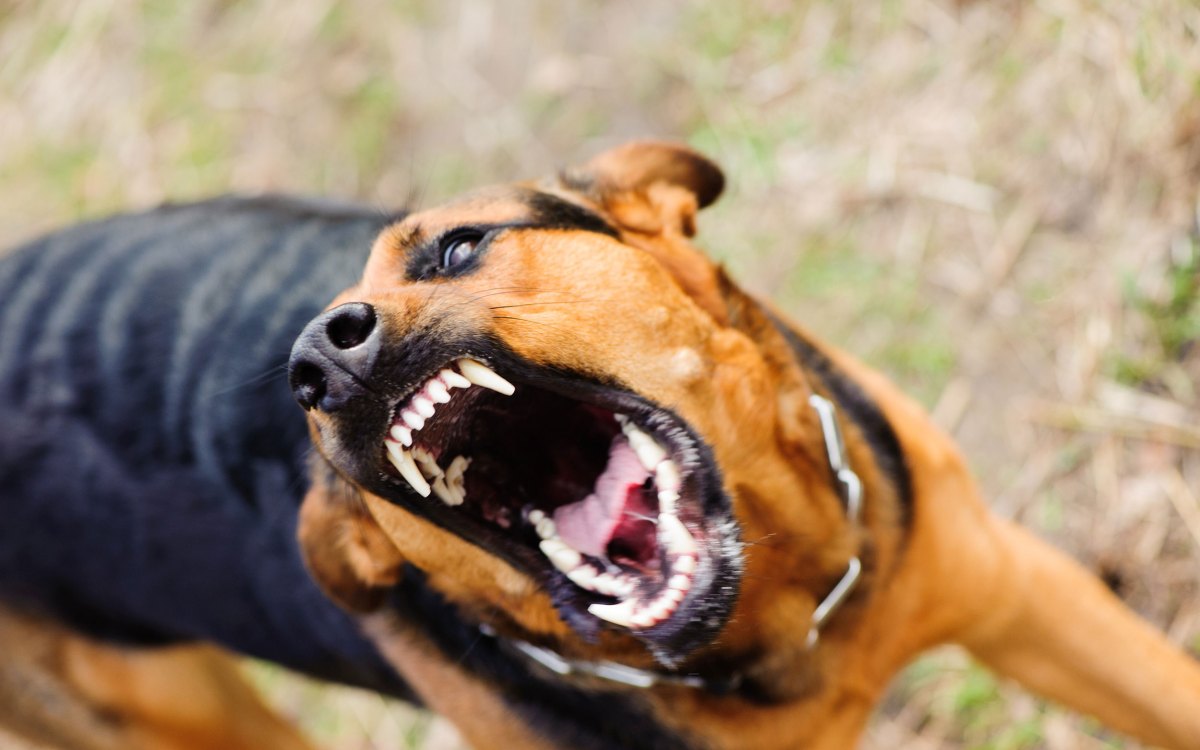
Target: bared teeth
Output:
[(448, 485), (404, 464), (427, 463), (412, 419), (437, 392), (608, 585), (675, 536), (666, 476), (583, 576), (445, 494), (620, 613), (456, 477), (642, 619), (684, 565), (453, 380), (402, 435), (648, 451), (680, 582), (564, 557), (546, 528), (418, 467), (620, 586), (423, 406), (482, 375)]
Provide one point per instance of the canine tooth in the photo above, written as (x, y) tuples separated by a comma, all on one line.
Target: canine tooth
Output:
[(404, 464), (620, 613), (679, 583), (621, 420), (666, 476), (535, 516), (676, 536), (412, 419), (482, 375), (447, 495), (648, 451), (401, 434), (423, 406), (453, 380), (562, 555), (668, 502), (684, 565), (438, 393)]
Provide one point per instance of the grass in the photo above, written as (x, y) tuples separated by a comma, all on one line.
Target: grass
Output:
[(992, 202)]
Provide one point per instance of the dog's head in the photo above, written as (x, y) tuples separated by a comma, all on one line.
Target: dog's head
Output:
[(568, 418)]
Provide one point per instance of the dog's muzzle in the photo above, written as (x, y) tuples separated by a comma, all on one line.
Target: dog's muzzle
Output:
[(333, 357)]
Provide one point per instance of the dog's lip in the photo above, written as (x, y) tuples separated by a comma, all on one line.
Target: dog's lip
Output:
[(693, 540)]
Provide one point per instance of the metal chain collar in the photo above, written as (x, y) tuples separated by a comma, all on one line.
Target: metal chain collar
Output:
[(849, 488)]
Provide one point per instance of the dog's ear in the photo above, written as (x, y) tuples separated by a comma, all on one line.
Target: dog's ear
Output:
[(346, 552), (649, 187), (651, 191)]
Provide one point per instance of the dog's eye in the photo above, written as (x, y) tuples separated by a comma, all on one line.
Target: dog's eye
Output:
[(458, 248)]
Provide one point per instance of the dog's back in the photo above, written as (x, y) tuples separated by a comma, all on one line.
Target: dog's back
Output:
[(151, 455)]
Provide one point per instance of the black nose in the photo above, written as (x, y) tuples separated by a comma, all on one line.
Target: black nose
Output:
[(333, 356)]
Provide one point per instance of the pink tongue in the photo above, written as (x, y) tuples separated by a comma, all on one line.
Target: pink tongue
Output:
[(588, 525)]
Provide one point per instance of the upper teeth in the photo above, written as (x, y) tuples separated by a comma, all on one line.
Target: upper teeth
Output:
[(648, 451), (403, 461), (480, 374), (419, 468)]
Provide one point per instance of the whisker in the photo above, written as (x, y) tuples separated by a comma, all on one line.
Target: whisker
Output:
[(531, 304), (526, 320), (274, 372), (508, 290)]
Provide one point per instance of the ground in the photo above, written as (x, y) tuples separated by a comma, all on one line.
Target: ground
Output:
[(993, 202)]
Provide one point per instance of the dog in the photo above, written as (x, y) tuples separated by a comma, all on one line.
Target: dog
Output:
[(573, 487)]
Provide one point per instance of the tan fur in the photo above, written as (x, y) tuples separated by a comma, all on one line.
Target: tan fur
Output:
[(651, 310), (60, 690)]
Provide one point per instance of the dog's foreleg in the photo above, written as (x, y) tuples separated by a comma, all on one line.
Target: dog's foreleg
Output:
[(175, 698), (1059, 631)]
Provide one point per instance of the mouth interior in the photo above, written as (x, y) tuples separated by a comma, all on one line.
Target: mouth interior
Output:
[(596, 496)]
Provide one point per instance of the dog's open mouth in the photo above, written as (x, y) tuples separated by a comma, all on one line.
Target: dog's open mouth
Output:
[(604, 496)]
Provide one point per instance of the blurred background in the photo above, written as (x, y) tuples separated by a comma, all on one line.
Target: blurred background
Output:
[(992, 202)]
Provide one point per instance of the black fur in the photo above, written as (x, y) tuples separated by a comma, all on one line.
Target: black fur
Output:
[(864, 412), (552, 212), (151, 456), (570, 716)]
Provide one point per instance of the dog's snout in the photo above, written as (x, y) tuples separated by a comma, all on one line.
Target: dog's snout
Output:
[(332, 358)]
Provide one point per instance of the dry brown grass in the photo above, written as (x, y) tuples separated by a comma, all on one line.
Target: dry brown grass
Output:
[(993, 202)]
